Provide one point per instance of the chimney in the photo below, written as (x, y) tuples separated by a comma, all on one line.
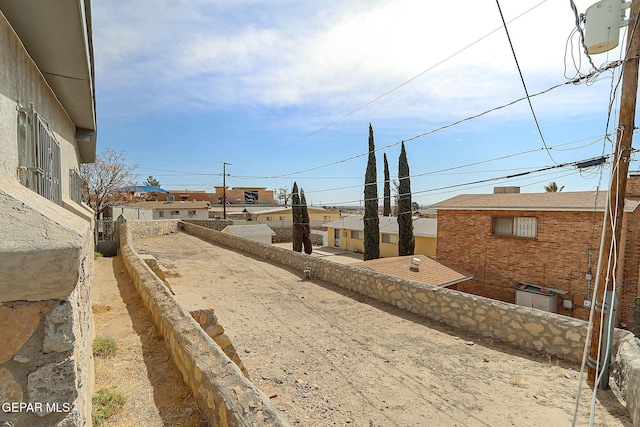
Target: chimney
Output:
[(506, 190)]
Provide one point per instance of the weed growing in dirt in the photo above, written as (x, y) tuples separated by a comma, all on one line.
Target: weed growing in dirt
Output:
[(105, 404), (516, 381), (97, 255), (104, 346)]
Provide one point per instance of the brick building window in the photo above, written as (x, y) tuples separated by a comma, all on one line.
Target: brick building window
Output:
[(525, 226)]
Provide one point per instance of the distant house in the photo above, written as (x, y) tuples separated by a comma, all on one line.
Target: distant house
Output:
[(243, 196), (348, 233), (548, 240), (428, 270), (174, 210), (282, 215), (256, 232)]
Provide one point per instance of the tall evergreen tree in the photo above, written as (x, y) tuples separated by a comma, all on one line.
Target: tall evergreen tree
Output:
[(386, 210), (406, 240), (306, 227), (371, 220), (296, 214)]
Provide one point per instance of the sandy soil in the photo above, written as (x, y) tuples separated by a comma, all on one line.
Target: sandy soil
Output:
[(140, 369), (329, 357)]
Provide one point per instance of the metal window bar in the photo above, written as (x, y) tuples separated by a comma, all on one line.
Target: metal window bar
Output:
[(39, 165), (75, 186), (28, 170), (49, 162)]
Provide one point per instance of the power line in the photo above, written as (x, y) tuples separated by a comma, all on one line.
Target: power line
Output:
[(524, 85), (363, 106)]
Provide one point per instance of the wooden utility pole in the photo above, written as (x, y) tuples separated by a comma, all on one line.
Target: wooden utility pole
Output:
[(617, 189), (224, 189)]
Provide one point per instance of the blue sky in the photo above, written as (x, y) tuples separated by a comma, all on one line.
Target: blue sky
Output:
[(285, 90)]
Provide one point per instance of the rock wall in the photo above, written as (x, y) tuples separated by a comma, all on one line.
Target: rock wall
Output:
[(225, 396), (46, 325), (527, 328)]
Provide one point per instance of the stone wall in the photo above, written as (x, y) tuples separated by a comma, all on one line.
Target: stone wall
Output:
[(283, 234), (225, 396), (214, 224), (46, 326), (526, 328)]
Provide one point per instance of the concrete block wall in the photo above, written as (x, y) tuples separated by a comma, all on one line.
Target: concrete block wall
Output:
[(526, 328), (225, 396)]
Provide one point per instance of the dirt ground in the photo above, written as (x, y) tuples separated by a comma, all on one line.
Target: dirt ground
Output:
[(329, 357), (140, 369)]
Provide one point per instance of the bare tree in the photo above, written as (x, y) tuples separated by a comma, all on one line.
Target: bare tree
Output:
[(104, 177), (283, 195)]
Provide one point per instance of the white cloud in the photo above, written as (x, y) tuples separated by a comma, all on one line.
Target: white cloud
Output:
[(333, 55)]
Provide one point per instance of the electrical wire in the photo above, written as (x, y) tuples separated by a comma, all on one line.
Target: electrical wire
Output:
[(524, 85), (379, 97)]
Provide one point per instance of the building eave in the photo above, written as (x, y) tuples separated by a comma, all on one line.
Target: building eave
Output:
[(58, 37)]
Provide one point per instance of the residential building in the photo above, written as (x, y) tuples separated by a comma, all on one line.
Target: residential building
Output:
[(282, 216), (256, 232), (548, 240), (47, 129), (174, 210), (348, 233), (425, 270), (244, 196)]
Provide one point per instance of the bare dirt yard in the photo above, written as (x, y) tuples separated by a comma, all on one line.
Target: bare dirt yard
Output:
[(330, 357), (140, 368)]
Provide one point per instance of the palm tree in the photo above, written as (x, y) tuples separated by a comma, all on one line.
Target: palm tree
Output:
[(552, 187)]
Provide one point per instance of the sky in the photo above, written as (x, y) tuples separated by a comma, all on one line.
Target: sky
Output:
[(285, 90)]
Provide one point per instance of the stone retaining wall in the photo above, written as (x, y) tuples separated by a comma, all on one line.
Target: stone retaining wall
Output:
[(225, 396), (526, 328)]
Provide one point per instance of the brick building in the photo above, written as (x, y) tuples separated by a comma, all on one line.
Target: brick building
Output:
[(244, 196), (547, 239)]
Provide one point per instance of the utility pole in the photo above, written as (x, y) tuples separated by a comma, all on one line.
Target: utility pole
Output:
[(617, 188), (224, 189)]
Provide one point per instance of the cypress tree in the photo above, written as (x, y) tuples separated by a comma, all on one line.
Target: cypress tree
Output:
[(306, 227), (406, 241), (297, 219), (386, 210), (371, 220)]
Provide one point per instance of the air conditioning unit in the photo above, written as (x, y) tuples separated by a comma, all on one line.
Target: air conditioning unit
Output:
[(528, 295)]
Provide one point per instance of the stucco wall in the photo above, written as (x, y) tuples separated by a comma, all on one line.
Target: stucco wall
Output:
[(21, 81), (225, 396), (46, 265)]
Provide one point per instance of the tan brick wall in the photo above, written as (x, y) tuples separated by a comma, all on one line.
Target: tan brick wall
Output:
[(558, 257)]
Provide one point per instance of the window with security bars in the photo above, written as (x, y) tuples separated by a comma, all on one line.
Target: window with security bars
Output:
[(515, 226), (39, 166), (75, 186)]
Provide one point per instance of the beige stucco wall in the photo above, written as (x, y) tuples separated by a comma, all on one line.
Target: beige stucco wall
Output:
[(424, 245), (46, 260), (21, 81)]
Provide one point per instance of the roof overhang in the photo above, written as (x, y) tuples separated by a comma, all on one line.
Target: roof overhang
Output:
[(58, 37)]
